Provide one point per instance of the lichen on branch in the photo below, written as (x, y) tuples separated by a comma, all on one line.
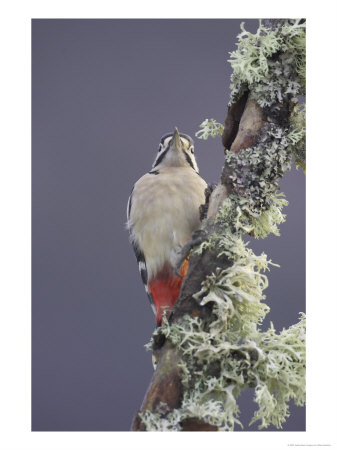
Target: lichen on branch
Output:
[(270, 63)]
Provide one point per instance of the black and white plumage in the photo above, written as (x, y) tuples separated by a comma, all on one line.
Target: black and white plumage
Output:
[(162, 213)]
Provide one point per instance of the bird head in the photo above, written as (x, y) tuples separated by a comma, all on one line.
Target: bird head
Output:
[(176, 150)]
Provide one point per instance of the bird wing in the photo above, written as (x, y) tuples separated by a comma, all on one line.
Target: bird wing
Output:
[(139, 255)]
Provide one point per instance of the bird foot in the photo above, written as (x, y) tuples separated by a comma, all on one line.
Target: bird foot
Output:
[(198, 236)]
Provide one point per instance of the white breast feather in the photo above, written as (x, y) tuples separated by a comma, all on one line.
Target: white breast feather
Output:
[(164, 213)]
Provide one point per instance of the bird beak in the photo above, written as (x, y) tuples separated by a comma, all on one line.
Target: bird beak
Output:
[(176, 144)]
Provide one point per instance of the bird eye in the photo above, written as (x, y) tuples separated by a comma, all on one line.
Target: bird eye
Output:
[(160, 147), (192, 150)]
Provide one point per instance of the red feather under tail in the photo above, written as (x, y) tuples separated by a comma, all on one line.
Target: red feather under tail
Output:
[(165, 288)]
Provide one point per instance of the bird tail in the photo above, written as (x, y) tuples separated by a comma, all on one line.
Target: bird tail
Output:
[(165, 288)]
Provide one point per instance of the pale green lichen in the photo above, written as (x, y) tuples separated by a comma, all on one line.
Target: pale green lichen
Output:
[(267, 222), (250, 60), (222, 361), (229, 242), (237, 295), (297, 135), (255, 206), (281, 375), (221, 413), (255, 171), (223, 357), (209, 128), (270, 79), (235, 350)]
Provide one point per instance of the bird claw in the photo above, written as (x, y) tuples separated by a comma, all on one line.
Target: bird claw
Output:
[(198, 237), (176, 273)]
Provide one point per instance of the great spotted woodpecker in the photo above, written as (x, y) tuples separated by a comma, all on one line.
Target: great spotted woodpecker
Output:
[(162, 213)]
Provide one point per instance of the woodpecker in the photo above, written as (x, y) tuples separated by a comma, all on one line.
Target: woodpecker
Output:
[(162, 213)]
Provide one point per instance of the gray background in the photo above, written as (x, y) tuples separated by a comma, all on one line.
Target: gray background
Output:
[(103, 93)]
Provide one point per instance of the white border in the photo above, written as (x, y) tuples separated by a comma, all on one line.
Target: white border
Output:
[(15, 224)]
